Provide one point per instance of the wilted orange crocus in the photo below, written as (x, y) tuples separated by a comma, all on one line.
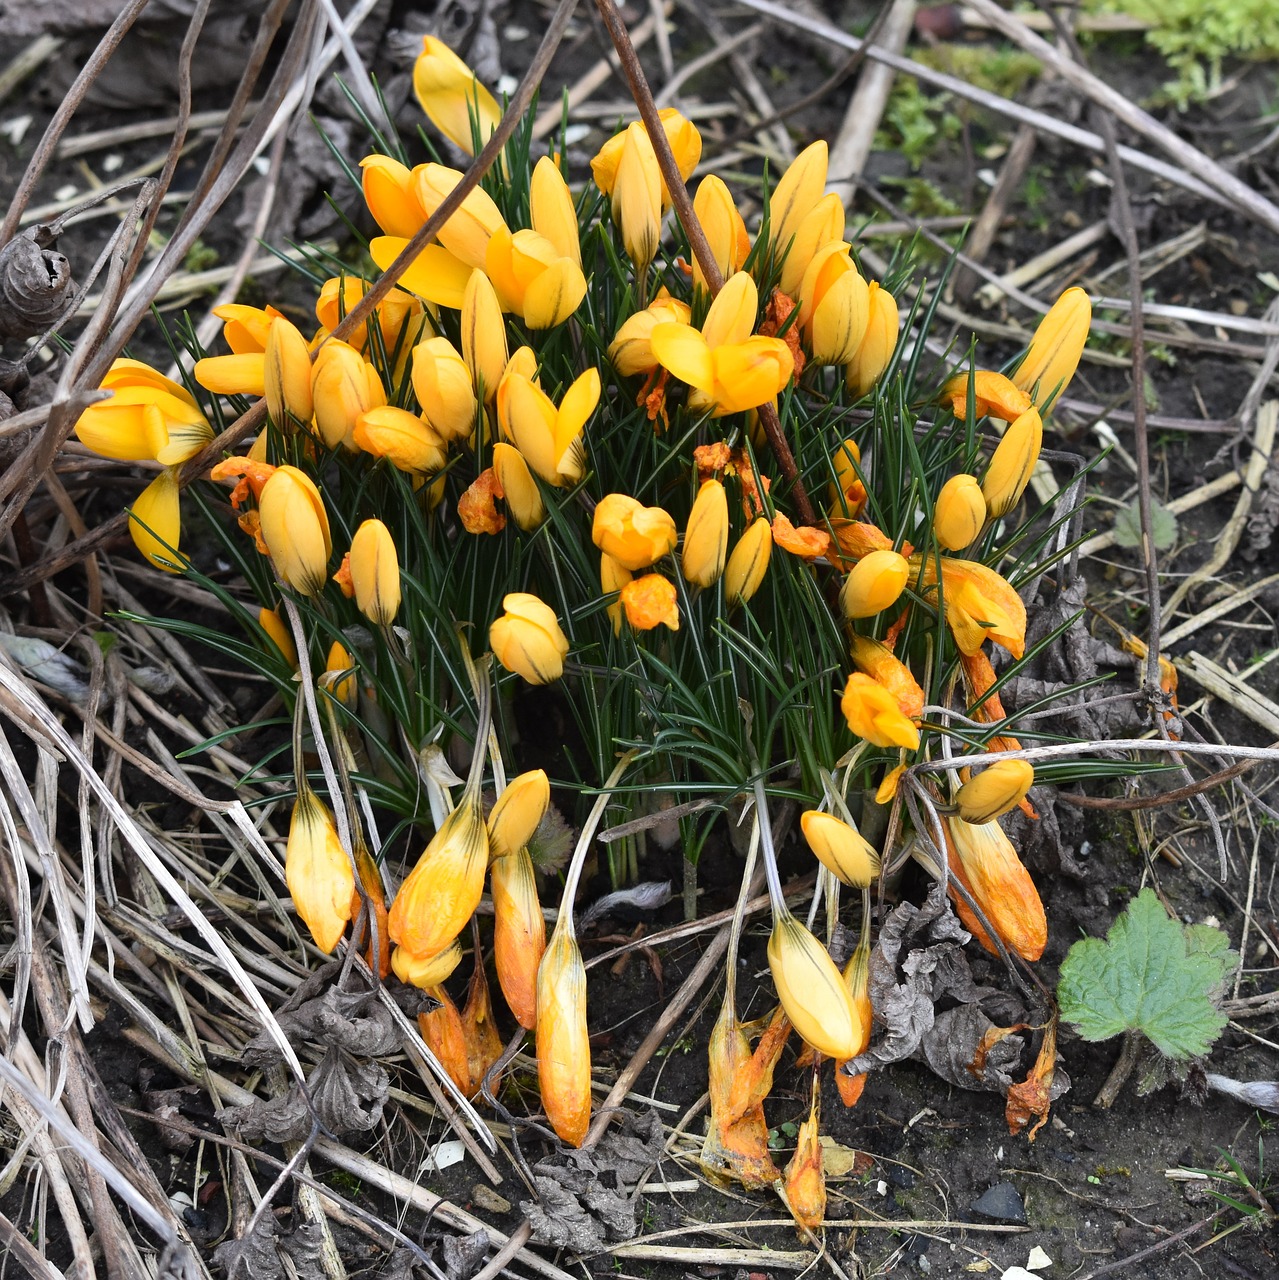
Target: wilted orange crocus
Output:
[(563, 1040), (880, 663), (873, 713), (857, 976), (446, 1037), (984, 861), (979, 604), (634, 535), (804, 1180), (519, 933), (650, 601), (371, 881), (483, 1044)]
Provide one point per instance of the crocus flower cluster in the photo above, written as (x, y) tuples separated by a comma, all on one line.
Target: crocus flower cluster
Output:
[(551, 441)]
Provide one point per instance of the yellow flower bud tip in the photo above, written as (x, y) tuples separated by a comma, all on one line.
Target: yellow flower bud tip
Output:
[(519, 933), (635, 536), (517, 812), (426, 971), (442, 891), (812, 990), (834, 305), (637, 197), (798, 190), (552, 211), (1013, 463), (454, 100), (959, 513), (375, 573), (725, 231), (287, 374), (706, 536), (873, 714), (339, 668), (278, 631), (388, 192), (994, 791), (887, 790), (318, 871), (527, 639), (1053, 356), (840, 848), (744, 573), (650, 601), (823, 224), (295, 529), (874, 584), (483, 335), (563, 1040)]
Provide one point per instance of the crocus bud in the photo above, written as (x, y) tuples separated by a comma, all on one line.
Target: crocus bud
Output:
[(834, 305), (275, 627), (812, 990), (706, 536), (685, 143), (1053, 355), (155, 521), (519, 933), (613, 578), (823, 224), (318, 871), (797, 192), (959, 513), (550, 438), (527, 639), (1013, 463), (518, 810), (984, 861), (339, 667), (994, 791), (563, 1041), (343, 386), (375, 573), (552, 211), (402, 438), (520, 490), (649, 601), (874, 583), (633, 534), (444, 888), (442, 384), (849, 493), (295, 529), (483, 335), (878, 342), (637, 197), (872, 713), (725, 231), (287, 374), (451, 96), (748, 564), (804, 1179), (840, 848)]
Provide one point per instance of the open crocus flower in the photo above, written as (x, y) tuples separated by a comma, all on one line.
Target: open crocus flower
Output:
[(729, 368), (550, 439), (533, 278), (983, 859), (399, 315), (454, 100), (980, 605), (149, 418), (244, 329)]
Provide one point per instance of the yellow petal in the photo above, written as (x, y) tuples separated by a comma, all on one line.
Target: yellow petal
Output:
[(681, 349), (156, 524), (731, 317), (435, 274)]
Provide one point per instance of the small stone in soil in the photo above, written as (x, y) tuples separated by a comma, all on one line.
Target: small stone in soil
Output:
[(1003, 1203)]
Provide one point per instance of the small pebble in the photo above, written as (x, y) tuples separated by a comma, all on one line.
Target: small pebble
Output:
[(67, 192), (112, 163), (1003, 1203)]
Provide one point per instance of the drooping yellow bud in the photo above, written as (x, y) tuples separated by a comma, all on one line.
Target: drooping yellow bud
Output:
[(877, 344), (375, 573), (874, 584), (287, 375), (1013, 463), (518, 810), (1053, 355), (442, 384), (840, 848), (959, 513), (527, 639), (519, 933), (706, 536), (884, 667), (563, 1041), (873, 713), (451, 96), (744, 573), (155, 521), (295, 528), (995, 790), (812, 990), (520, 490), (318, 871), (633, 534)]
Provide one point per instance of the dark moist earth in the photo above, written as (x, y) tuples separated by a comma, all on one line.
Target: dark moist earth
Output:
[(1094, 1187)]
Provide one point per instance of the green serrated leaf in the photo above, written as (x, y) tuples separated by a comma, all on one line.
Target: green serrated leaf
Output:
[(1151, 975), (1163, 526)]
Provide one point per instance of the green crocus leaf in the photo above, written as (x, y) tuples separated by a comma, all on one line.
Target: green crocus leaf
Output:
[(1153, 975)]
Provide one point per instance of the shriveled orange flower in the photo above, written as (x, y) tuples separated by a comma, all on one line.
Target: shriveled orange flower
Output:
[(979, 677), (650, 601), (804, 1180), (477, 507), (445, 1036), (250, 474), (994, 394), (479, 1032), (881, 664), (984, 861), (807, 542), (519, 933)]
